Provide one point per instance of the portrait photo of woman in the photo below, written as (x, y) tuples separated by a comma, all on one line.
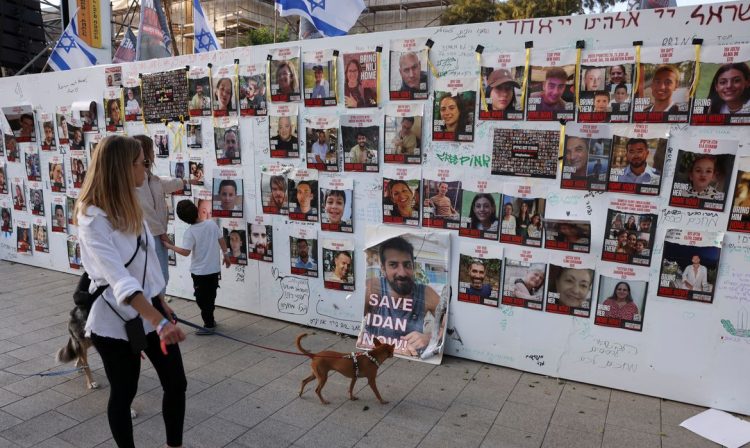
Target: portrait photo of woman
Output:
[(483, 213), (224, 101), (730, 89), (355, 93)]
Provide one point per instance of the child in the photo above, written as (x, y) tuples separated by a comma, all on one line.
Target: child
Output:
[(702, 175), (202, 239)]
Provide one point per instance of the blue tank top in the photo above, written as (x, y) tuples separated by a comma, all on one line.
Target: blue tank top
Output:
[(414, 318)]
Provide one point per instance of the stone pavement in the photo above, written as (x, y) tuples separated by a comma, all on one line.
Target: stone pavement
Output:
[(241, 396)]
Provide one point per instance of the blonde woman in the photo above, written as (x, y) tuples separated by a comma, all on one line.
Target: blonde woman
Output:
[(109, 221)]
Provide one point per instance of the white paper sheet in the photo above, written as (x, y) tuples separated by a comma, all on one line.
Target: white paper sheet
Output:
[(719, 427)]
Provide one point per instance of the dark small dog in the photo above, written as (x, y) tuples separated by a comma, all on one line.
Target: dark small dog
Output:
[(78, 346), (363, 366)]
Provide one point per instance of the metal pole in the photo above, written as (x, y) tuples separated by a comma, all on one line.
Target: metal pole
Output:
[(275, 22), (31, 62)]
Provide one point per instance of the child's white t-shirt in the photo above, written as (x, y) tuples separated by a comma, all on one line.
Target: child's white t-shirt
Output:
[(202, 240)]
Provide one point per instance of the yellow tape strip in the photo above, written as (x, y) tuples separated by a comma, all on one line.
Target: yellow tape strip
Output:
[(268, 78), (482, 95), (578, 74), (697, 75), (335, 78), (562, 143), (143, 112), (636, 83), (377, 77), (525, 79), (237, 88), (122, 110), (433, 69)]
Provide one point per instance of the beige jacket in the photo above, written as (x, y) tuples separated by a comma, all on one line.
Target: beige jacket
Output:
[(151, 196)]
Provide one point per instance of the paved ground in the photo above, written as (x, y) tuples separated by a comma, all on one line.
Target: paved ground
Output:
[(240, 396)]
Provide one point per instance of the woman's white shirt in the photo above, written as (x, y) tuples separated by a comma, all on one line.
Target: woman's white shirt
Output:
[(104, 252)]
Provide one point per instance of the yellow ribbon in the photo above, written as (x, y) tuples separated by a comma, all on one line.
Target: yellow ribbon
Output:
[(562, 144), (636, 83), (433, 69), (143, 112), (577, 85), (525, 79), (377, 76), (335, 78), (482, 96), (237, 87), (268, 78), (697, 75), (177, 134), (122, 108)]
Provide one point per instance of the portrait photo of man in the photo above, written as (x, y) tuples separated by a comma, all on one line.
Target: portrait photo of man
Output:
[(479, 280), (260, 241), (549, 100), (227, 145), (408, 77), (304, 256), (401, 309), (639, 163)]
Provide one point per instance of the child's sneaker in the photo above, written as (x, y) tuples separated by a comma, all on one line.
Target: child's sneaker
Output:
[(207, 330)]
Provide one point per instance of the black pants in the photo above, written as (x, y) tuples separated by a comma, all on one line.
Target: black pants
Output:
[(204, 287), (123, 369)]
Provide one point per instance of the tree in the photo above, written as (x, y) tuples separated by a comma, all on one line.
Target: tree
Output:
[(264, 35), (475, 11), (469, 11)]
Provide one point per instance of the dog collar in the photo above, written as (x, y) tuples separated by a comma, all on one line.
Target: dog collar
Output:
[(372, 358)]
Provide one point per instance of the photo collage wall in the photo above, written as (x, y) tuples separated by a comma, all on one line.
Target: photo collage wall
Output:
[(617, 106)]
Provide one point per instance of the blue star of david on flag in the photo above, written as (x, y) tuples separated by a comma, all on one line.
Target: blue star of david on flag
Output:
[(334, 21), (71, 52), (205, 39), (67, 43)]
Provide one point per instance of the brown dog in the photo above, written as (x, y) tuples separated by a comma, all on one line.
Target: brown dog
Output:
[(366, 367)]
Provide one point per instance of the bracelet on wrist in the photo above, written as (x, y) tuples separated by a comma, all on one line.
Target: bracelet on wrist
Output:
[(162, 323)]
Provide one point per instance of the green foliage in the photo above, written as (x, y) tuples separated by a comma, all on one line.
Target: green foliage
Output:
[(264, 35), (475, 11), (469, 11)]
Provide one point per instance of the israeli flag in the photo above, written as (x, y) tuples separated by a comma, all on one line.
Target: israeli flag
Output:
[(71, 52), (330, 17), (205, 39)]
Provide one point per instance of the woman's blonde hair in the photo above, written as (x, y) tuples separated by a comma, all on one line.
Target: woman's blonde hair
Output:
[(110, 184)]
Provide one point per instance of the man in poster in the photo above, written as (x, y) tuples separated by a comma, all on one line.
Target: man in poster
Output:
[(341, 262), (303, 260), (555, 82), (258, 238), (396, 305), (321, 88), (360, 153), (405, 141), (477, 274), (638, 171), (413, 78), (320, 148), (695, 276)]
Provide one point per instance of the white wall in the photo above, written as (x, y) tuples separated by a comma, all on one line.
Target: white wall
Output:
[(683, 352)]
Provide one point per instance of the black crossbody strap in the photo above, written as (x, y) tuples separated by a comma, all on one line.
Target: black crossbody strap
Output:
[(100, 290), (143, 281)]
